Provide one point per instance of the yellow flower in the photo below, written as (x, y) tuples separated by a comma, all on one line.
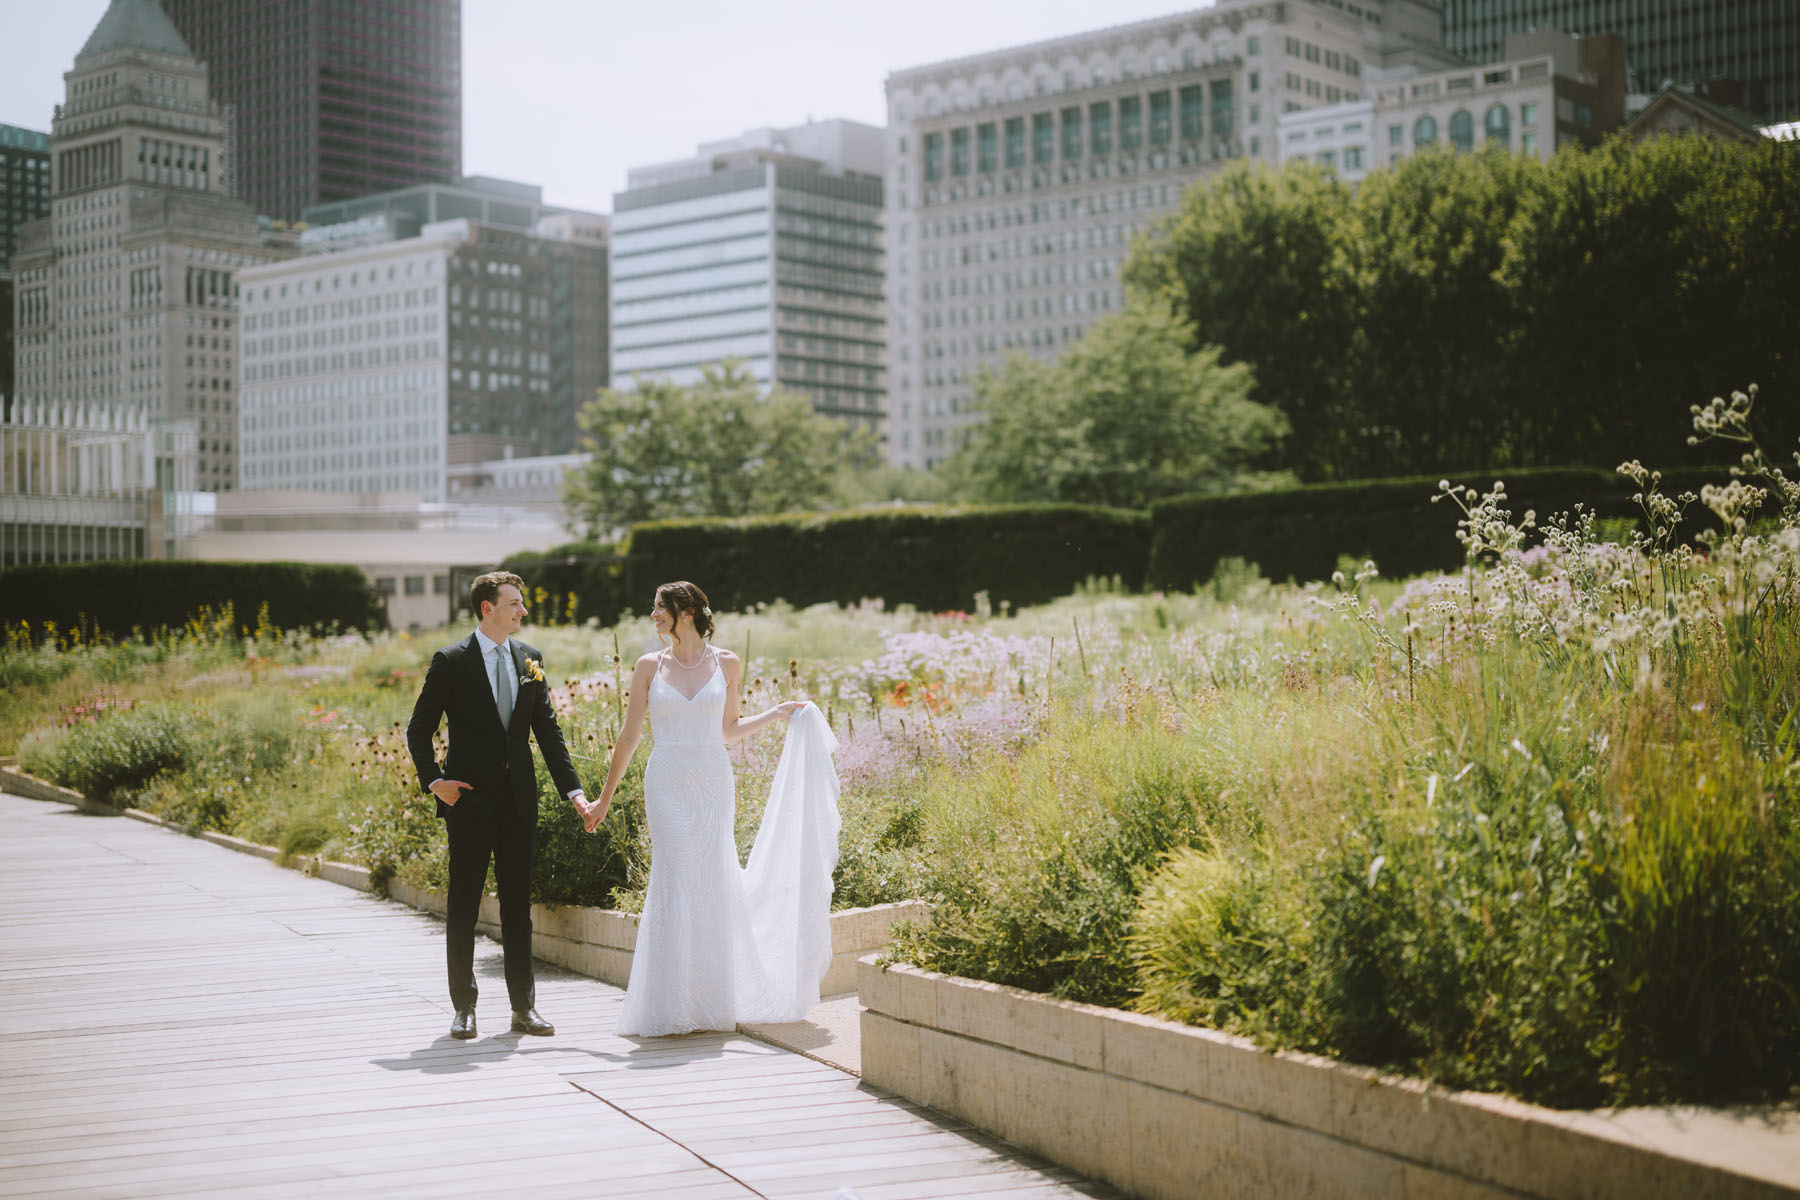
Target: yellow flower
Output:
[(534, 672)]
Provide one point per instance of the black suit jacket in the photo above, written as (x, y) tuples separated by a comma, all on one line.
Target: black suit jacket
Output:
[(494, 760)]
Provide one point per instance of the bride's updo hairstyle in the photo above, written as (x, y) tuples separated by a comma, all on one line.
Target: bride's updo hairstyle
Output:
[(684, 597)]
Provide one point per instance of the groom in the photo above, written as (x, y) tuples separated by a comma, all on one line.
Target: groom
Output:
[(493, 688)]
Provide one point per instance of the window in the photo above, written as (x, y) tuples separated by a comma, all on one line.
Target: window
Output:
[(1425, 131), (1015, 142), (1528, 142), (1253, 46), (1100, 127), (987, 147), (1528, 114), (1498, 125), (385, 585), (1043, 138), (1161, 122), (1071, 133), (1396, 135), (1462, 130), (1353, 158), (1131, 123), (1584, 116), (1256, 81), (1193, 113), (1221, 108), (934, 157), (415, 585), (959, 151)]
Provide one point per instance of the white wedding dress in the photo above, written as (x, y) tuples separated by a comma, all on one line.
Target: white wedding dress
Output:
[(720, 944)]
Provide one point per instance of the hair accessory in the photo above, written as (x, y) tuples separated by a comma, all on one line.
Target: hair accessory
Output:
[(706, 610)]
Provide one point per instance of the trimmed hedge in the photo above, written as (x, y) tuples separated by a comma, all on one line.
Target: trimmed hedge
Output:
[(1301, 533), (935, 559), (112, 598), (938, 558), (593, 572)]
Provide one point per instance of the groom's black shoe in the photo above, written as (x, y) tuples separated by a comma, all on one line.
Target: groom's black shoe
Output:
[(464, 1024), (530, 1022)]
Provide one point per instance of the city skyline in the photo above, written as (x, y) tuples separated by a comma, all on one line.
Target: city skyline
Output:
[(528, 65)]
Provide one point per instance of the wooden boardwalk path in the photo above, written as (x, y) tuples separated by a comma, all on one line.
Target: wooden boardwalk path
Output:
[(180, 1020)]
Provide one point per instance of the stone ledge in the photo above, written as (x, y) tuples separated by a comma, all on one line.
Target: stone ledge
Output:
[(1161, 1109), (16, 781)]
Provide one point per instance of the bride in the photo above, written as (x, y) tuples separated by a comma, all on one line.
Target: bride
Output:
[(721, 944)]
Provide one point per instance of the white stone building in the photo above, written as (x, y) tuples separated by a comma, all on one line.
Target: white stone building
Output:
[(345, 387), (1016, 179), (1552, 90)]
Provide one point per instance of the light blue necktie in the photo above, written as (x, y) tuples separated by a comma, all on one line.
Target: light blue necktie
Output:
[(503, 692)]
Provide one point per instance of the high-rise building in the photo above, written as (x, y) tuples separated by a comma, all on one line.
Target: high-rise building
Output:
[(380, 367), (24, 184), (124, 293), (574, 242), (24, 196), (766, 248), (330, 99), (1017, 178), (1754, 44)]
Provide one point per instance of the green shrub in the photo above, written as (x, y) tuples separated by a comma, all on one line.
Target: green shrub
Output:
[(1034, 863), (571, 866), (936, 559), (591, 572), (1301, 533), (115, 754), (1218, 941), (110, 599)]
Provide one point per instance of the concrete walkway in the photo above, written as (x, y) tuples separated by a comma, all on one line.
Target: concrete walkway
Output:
[(180, 1020)]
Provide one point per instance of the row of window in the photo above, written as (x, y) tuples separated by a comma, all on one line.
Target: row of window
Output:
[(1330, 59), (996, 145), (1496, 123)]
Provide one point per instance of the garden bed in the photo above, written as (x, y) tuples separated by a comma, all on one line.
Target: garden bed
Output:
[(1160, 1109)]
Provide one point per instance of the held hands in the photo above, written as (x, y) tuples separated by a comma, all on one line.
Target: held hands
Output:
[(449, 790), (592, 814)]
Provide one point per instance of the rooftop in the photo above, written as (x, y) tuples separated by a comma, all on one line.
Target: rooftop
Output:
[(140, 24)]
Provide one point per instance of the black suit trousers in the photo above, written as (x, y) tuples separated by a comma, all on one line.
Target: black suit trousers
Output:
[(484, 827)]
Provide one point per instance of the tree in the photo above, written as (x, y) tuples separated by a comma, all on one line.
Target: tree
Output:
[(1126, 416), (1467, 311), (716, 448), (1255, 260)]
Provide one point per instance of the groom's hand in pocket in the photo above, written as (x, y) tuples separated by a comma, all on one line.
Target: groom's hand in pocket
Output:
[(449, 790)]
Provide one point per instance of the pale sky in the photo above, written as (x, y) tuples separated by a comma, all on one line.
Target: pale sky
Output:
[(571, 93)]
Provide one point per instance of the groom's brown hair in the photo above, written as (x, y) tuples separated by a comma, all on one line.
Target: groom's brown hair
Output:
[(486, 589)]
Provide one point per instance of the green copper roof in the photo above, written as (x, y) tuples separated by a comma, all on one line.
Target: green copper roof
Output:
[(136, 23)]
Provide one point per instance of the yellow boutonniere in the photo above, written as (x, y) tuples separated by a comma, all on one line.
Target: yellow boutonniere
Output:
[(534, 672)]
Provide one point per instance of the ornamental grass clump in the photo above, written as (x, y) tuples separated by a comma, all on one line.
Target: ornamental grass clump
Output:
[(1034, 861)]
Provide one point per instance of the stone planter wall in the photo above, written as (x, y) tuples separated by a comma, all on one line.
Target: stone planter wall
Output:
[(1164, 1110)]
